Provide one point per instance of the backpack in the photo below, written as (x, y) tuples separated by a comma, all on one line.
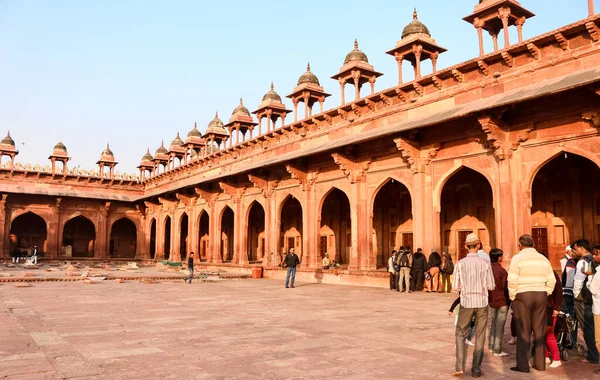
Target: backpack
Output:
[(449, 267), (404, 260)]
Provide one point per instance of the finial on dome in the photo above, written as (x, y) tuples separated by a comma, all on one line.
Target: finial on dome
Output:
[(355, 44), (216, 114), (415, 17), (107, 146), (241, 102), (308, 67), (162, 143), (272, 87)]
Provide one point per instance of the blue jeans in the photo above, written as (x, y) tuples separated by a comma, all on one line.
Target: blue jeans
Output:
[(498, 318), (292, 272)]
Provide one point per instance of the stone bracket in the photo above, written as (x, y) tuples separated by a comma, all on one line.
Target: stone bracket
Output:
[(355, 169), (497, 138), (508, 59), (401, 94), (534, 50), (153, 207), (437, 82), (304, 177), (562, 41), (593, 30), (168, 205), (593, 117), (483, 67), (188, 201), (233, 191), (414, 155), (208, 196), (460, 77), (142, 211), (418, 88), (266, 186)]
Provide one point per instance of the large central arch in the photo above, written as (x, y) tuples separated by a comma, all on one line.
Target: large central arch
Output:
[(290, 231), (392, 220), (123, 237), (27, 231), (256, 232), (565, 204), (79, 233), (466, 206), (335, 236)]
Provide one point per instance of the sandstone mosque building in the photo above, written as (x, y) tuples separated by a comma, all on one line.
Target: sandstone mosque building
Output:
[(503, 144)]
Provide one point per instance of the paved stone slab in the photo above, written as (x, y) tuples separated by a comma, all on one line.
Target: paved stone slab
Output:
[(251, 329)]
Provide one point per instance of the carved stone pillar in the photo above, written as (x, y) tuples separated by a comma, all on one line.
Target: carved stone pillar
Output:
[(503, 14), (399, 60), (103, 233), (4, 227), (478, 24), (417, 50)]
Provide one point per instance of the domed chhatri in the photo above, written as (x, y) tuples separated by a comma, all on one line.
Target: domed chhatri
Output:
[(194, 132), (161, 149), (8, 141), (177, 141), (107, 154), (147, 157), (241, 110), (216, 127), (271, 96), (415, 27), (356, 55), (308, 77), (60, 147)]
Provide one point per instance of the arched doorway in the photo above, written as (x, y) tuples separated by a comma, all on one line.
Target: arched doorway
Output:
[(335, 235), (183, 237), (227, 225), (167, 238), (153, 239), (392, 220), (291, 227), (565, 204), (467, 206), (203, 236), (79, 233), (256, 233), (123, 237), (28, 230)]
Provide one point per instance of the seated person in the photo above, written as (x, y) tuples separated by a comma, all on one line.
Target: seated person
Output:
[(326, 261)]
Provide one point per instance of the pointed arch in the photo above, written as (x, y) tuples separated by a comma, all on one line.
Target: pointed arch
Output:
[(391, 178), (183, 235), (79, 236), (335, 230), (123, 237), (255, 231), (152, 238), (167, 237), (203, 234), (290, 224), (227, 222), (437, 192), (28, 230)]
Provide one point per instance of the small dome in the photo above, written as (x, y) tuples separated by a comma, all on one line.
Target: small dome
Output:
[(216, 122), (415, 27), (161, 149), (271, 96), (60, 147), (107, 152), (240, 110), (356, 55), (177, 141), (308, 77), (8, 140), (147, 156), (194, 132)]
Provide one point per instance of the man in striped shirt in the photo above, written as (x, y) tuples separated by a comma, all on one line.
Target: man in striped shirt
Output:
[(472, 278), (530, 281)]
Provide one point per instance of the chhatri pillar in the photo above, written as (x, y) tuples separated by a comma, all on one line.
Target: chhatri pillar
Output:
[(495, 16), (308, 91), (161, 157), (107, 159), (416, 46), (215, 134), (356, 71), (7, 148), (591, 11), (240, 121), (59, 154), (272, 108)]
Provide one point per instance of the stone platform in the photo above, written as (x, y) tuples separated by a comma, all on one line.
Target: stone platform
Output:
[(247, 329)]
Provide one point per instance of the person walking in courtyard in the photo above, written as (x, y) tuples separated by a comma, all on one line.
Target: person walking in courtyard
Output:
[(190, 265), (34, 255), (405, 263), (392, 271), (291, 261), (473, 278), (555, 301), (435, 262), (419, 266), (584, 300), (445, 272), (530, 281), (498, 299)]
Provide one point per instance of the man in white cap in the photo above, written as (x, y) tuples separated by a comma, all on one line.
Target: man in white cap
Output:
[(563, 261), (473, 279)]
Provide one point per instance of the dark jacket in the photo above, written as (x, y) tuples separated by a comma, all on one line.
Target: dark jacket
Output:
[(554, 300), (292, 260), (419, 261), (499, 296), (435, 260), (191, 262)]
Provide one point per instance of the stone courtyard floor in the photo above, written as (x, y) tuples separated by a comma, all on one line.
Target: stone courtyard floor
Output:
[(247, 329)]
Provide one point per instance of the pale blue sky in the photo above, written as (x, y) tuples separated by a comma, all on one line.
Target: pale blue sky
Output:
[(134, 72)]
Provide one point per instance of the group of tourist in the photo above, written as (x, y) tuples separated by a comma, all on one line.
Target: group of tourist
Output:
[(537, 296), (414, 272), (18, 255)]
